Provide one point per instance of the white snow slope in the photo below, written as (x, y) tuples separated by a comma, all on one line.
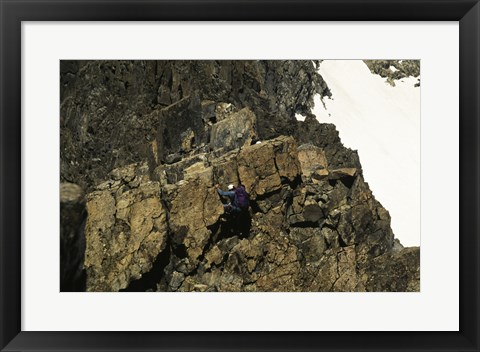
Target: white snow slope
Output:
[(383, 123)]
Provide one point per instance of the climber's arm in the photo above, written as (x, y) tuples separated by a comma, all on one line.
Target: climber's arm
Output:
[(225, 194)]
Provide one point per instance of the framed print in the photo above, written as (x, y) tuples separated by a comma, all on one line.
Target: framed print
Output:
[(239, 175)]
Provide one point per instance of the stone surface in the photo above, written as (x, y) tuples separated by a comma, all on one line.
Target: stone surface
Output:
[(194, 205), (342, 172), (325, 136), (261, 167), (234, 131), (311, 159), (126, 229), (111, 111), (398, 271)]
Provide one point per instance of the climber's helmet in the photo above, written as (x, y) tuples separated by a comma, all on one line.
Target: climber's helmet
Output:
[(230, 187)]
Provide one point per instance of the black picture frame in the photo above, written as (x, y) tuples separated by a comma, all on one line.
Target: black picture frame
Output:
[(13, 12)]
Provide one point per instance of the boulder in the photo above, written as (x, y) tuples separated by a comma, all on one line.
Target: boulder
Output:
[(311, 159), (342, 172), (234, 131), (174, 172), (262, 167), (312, 211)]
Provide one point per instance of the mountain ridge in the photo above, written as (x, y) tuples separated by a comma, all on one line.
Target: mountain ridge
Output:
[(149, 141)]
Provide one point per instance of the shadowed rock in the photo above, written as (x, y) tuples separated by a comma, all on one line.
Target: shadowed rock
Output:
[(72, 237)]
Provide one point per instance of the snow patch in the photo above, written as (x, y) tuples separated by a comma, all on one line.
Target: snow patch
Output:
[(393, 69), (299, 117), (383, 123)]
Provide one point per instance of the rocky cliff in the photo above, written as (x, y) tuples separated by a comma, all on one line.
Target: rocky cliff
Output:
[(149, 141)]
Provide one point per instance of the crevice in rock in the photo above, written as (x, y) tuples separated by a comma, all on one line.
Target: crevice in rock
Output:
[(341, 242), (180, 251), (210, 243), (219, 265), (266, 195), (348, 181), (305, 224), (150, 279), (338, 273), (254, 206), (231, 225), (296, 182), (329, 226)]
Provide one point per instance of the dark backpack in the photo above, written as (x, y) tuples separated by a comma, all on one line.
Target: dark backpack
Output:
[(241, 197)]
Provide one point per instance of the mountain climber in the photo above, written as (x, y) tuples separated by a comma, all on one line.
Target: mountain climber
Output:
[(238, 196)]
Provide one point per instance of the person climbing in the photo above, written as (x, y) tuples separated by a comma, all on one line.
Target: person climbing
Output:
[(238, 196), (239, 220)]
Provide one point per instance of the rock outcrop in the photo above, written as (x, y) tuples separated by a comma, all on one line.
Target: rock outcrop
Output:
[(111, 110), (155, 220), (126, 229), (395, 69)]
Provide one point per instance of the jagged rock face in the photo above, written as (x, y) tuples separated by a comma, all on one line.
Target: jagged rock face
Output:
[(126, 229), (151, 152), (106, 103), (401, 69), (325, 136), (302, 233), (193, 206), (312, 160), (262, 168)]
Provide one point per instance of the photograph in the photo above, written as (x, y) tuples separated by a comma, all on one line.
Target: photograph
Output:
[(240, 175)]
